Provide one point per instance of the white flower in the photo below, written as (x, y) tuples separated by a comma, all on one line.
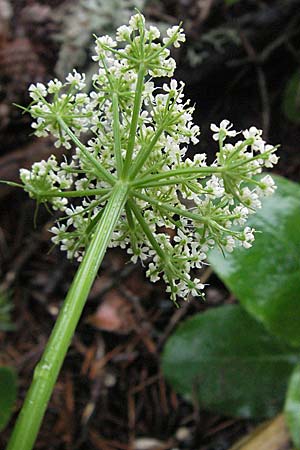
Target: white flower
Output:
[(242, 214), (153, 33), (183, 241), (255, 134), (198, 286), (173, 86), (36, 91), (252, 132), (123, 33), (153, 273), (54, 86), (230, 244), (136, 21), (272, 158), (76, 79), (249, 237), (142, 253), (223, 130), (58, 232), (250, 198), (266, 186), (177, 33), (214, 187), (105, 41)]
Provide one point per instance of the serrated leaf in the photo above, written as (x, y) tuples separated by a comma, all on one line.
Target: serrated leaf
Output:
[(291, 98), (229, 361), (8, 392), (266, 277), (292, 407)]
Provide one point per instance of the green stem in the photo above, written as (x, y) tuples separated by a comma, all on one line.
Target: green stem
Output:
[(48, 368), (179, 181), (136, 211), (135, 117), (71, 194), (173, 209), (98, 166), (144, 153), (246, 161), (168, 267), (116, 132), (197, 171), (12, 183)]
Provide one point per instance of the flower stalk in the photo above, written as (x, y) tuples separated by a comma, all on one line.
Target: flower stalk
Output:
[(134, 119), (47, 370)]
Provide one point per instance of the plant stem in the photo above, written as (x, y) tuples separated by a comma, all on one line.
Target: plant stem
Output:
[(71, 194), (196, 171), (48, 368), (146, 229), (107, 176), (144, 153), (116, 131), (135, 117), (172, 209)]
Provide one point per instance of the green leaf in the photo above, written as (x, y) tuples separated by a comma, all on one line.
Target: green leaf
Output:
[(292, 406), (8, 393), (266, 278), (230, 362), (291, 98)]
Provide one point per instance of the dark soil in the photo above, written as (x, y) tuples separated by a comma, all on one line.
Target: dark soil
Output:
[(111, 393)]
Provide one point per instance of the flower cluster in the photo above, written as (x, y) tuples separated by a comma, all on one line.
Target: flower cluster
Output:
[(137, 134)]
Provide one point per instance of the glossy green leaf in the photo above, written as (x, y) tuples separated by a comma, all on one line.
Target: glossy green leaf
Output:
[(292, 407), (8, 392), (291, 98), (229, 361), (266, 277)]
